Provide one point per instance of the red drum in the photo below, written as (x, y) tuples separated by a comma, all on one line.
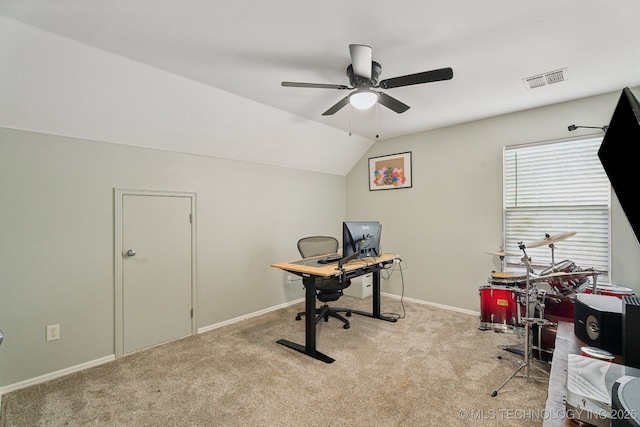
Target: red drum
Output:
[(554, 308), (508, 278), (558, 307), (544, 341), (610, 290), (565, 285), (500, 307)]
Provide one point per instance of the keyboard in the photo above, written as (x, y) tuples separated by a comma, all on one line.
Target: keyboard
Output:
[(330, 259)]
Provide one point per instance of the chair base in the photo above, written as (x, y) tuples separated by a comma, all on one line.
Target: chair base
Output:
[(325, 312)]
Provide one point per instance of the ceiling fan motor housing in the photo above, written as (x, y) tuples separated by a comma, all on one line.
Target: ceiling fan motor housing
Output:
[(361, 82)]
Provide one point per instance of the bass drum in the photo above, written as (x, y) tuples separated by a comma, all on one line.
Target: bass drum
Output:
[(544, 341), (554, 308), (500, 308)]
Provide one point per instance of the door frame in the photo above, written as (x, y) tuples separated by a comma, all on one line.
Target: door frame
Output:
[(119, 193)]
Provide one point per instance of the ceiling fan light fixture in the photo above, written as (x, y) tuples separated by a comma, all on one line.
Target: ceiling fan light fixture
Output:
[(363, 99)]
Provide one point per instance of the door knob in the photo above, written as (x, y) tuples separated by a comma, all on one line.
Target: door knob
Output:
[(131, 252)]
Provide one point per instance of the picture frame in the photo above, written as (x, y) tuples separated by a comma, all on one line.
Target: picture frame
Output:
[(390, 172)]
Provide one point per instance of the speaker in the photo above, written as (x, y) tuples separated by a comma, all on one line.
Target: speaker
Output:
[(631, 331), (625, 402), (597, 321)]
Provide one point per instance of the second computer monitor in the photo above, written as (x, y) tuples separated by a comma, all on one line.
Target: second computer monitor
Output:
[(362, 237)]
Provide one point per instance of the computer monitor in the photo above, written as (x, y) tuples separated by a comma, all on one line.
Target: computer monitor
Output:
[(361, 239)]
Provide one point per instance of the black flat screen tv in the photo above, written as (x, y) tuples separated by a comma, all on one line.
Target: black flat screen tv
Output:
[(619, 156)]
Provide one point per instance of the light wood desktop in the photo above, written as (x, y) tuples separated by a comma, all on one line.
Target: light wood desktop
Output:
[(310, 269)]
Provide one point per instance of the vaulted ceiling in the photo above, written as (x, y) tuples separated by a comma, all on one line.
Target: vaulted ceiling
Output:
[(205, 75)]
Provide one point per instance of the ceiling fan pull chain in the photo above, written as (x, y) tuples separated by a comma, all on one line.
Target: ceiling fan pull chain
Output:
[(377, 122)]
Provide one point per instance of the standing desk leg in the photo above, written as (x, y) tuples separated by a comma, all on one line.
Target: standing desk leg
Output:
[(376, 314), (309, 324)]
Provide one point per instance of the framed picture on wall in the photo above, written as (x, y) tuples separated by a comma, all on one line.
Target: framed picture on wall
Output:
[(390, 172)]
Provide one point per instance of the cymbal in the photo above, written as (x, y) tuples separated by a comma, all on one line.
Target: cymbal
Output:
[(549, 240), (501, 254)]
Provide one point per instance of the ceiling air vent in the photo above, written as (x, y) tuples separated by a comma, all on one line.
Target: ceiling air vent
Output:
[(545, 79)]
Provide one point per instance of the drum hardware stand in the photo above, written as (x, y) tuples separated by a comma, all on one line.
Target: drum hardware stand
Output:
[(595, 281), (540, 294), (553, 257), (528, 321), (527, 262)]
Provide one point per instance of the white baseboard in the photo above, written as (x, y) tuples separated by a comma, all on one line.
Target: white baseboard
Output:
[(446, 307), (248, 316), (111, 358), (56, 374)]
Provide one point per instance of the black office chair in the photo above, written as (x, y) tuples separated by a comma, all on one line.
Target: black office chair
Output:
[(327, 289)]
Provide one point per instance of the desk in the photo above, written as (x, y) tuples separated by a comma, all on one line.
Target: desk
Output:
[(309, 269), (566, 343)]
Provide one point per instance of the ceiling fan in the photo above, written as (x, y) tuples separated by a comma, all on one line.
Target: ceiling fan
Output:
[(363, 76)]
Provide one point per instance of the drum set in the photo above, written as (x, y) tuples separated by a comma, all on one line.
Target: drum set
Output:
[(512, 300)]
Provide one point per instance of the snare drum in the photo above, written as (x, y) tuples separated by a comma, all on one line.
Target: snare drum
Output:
[(610, 290), (508, 278), (565, 286), (500, 307)]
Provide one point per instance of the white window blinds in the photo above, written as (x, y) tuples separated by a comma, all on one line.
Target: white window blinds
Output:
[(554, 188)]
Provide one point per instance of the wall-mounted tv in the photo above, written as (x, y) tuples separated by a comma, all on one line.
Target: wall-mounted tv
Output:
[(619, 156)]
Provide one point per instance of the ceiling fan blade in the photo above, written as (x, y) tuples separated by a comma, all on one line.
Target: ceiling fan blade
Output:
[(315, 85), (418, 78), (361, 60), (392, 103), (344, 101)]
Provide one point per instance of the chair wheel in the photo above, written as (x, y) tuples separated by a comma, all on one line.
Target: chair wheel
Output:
[(298, 317), (348, 314), (346, 326)]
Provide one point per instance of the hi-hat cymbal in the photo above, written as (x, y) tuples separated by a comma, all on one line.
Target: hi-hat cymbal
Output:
[(501, 254), (549, 240)]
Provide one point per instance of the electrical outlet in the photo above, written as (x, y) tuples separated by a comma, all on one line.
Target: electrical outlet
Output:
[(53, 332), (289, 279)]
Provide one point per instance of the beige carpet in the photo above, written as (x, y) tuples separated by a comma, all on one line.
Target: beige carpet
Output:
[(432, 368)]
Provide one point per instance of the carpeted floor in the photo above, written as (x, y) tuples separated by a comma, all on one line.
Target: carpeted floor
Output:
[(431, 368)]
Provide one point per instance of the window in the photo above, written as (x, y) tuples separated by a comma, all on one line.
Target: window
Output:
[(554, 188)]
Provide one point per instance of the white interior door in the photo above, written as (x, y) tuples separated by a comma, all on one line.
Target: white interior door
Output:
[(156, 270)]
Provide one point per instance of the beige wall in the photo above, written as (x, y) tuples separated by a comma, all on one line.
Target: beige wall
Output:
[(453, 213), (57, 239), (57, 210)]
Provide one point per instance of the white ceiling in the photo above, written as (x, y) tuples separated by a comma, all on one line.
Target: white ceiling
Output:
[(248, 48)]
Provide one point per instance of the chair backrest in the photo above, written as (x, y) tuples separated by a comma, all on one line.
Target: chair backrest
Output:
[(328, 289), (317, 245)]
